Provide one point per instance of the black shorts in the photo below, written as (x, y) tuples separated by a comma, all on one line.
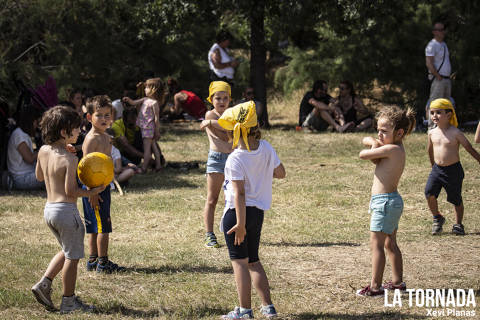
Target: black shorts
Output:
[(249, 247), (450, 178)]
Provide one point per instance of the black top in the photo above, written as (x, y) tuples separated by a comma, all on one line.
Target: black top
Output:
[(306, 107)]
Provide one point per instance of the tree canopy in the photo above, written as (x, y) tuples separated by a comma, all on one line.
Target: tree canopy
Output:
[(101, 44)]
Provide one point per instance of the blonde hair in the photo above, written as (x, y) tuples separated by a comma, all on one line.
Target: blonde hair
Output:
[(399, 118), (157, 89), (254, 131)]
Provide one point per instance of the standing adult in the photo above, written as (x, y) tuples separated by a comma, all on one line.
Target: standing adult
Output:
[(438, 64), (316, 109), (222, 65)]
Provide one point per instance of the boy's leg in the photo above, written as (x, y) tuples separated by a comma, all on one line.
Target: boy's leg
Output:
[(92, 244), (69, 277), (395, 257), (433, 205), (243, 281), (377, 243), (214, 185), (459, 213), (102, 244), (260, 282), (55, 265)]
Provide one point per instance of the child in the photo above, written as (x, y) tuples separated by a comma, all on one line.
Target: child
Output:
[(122, 173), (386, 204), (57, 167), (149, 120), (96, 208), (249, 172), (220, 96), (447, 172)]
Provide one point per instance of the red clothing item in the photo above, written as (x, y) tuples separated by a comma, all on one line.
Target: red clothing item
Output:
[(194, 106)]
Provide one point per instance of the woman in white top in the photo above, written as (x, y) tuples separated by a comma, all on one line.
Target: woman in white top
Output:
[(222, 65), (21, 158)]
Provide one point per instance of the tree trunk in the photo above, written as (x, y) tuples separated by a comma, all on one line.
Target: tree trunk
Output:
[(258, 56)]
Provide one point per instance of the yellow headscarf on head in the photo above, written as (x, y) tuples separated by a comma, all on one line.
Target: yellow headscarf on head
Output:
[(239, 118), (216, 86), (445, 104)]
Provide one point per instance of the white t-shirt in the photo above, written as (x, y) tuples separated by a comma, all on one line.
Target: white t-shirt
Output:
[(118, 106), (115, 154), (256, 169), (227, 72), (436, 50), (16, 164)]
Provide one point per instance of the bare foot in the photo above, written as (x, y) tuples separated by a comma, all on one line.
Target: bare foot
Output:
[(345, 127)]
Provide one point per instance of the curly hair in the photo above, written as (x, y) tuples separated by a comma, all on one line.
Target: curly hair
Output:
[(399, 118), (96, 102), (57, 119)]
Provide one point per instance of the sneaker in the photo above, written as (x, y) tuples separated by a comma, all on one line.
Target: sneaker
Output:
[(268, 311), (458, 229), (236, 314), (73, 303), (211, 240), (110, 267), (42, 291), (390, 286), (368, 292), (437, 225), (92, 266)]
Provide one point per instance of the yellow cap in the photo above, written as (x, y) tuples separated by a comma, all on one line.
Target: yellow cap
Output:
[(445, 104), (216, 86), (241, 117)]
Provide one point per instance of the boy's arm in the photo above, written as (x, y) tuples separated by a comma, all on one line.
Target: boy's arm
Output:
[(279, 172), (467, 145), (91, 145), (210, 123), (477, 133), (240, 210), (71, 187), (39, 171), (371, 142), (430, 150), (378, 153)]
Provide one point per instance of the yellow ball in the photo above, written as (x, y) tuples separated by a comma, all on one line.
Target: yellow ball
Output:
[(95, 169)]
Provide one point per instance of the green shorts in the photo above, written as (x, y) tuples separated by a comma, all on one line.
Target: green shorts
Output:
[(386, 210)]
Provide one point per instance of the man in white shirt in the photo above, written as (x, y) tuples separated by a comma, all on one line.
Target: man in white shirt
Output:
[(438, 64)]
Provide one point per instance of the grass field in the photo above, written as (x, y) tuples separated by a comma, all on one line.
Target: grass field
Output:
[(314, 243)]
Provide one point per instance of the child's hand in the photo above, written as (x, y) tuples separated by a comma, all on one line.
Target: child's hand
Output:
[(127, 100), (204, 124), (131, 165), (97, 190), (95, 199), (240, 233), (71, 149)]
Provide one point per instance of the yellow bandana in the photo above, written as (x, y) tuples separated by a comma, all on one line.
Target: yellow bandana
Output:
[(239, 118), (216, 86), (445, 104)]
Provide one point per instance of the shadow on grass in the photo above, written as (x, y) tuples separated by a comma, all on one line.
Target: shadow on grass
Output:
[(376, 315), (310, 244), (182, 268), (188, 312), (281, 126)]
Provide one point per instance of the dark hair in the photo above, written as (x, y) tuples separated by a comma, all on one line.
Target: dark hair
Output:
[(128, 112), (57, 119), (318, 85), (97, 102), (441, 22), (400, 118), (25, 118), (223, 35), (349, 86), (73, 92)]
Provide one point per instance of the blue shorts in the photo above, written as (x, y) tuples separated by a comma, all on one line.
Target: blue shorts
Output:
[(98, 220), (216, 161), (450, 178), (386, 210), (249, 247)]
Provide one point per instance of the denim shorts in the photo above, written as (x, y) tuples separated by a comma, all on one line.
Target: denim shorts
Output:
[(216, 161), (386, 210)]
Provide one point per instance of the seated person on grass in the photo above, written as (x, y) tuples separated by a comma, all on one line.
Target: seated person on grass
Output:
[(350, 109), (315, 110)]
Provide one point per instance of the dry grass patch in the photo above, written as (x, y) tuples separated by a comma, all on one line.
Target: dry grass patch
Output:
[(314, 242)]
